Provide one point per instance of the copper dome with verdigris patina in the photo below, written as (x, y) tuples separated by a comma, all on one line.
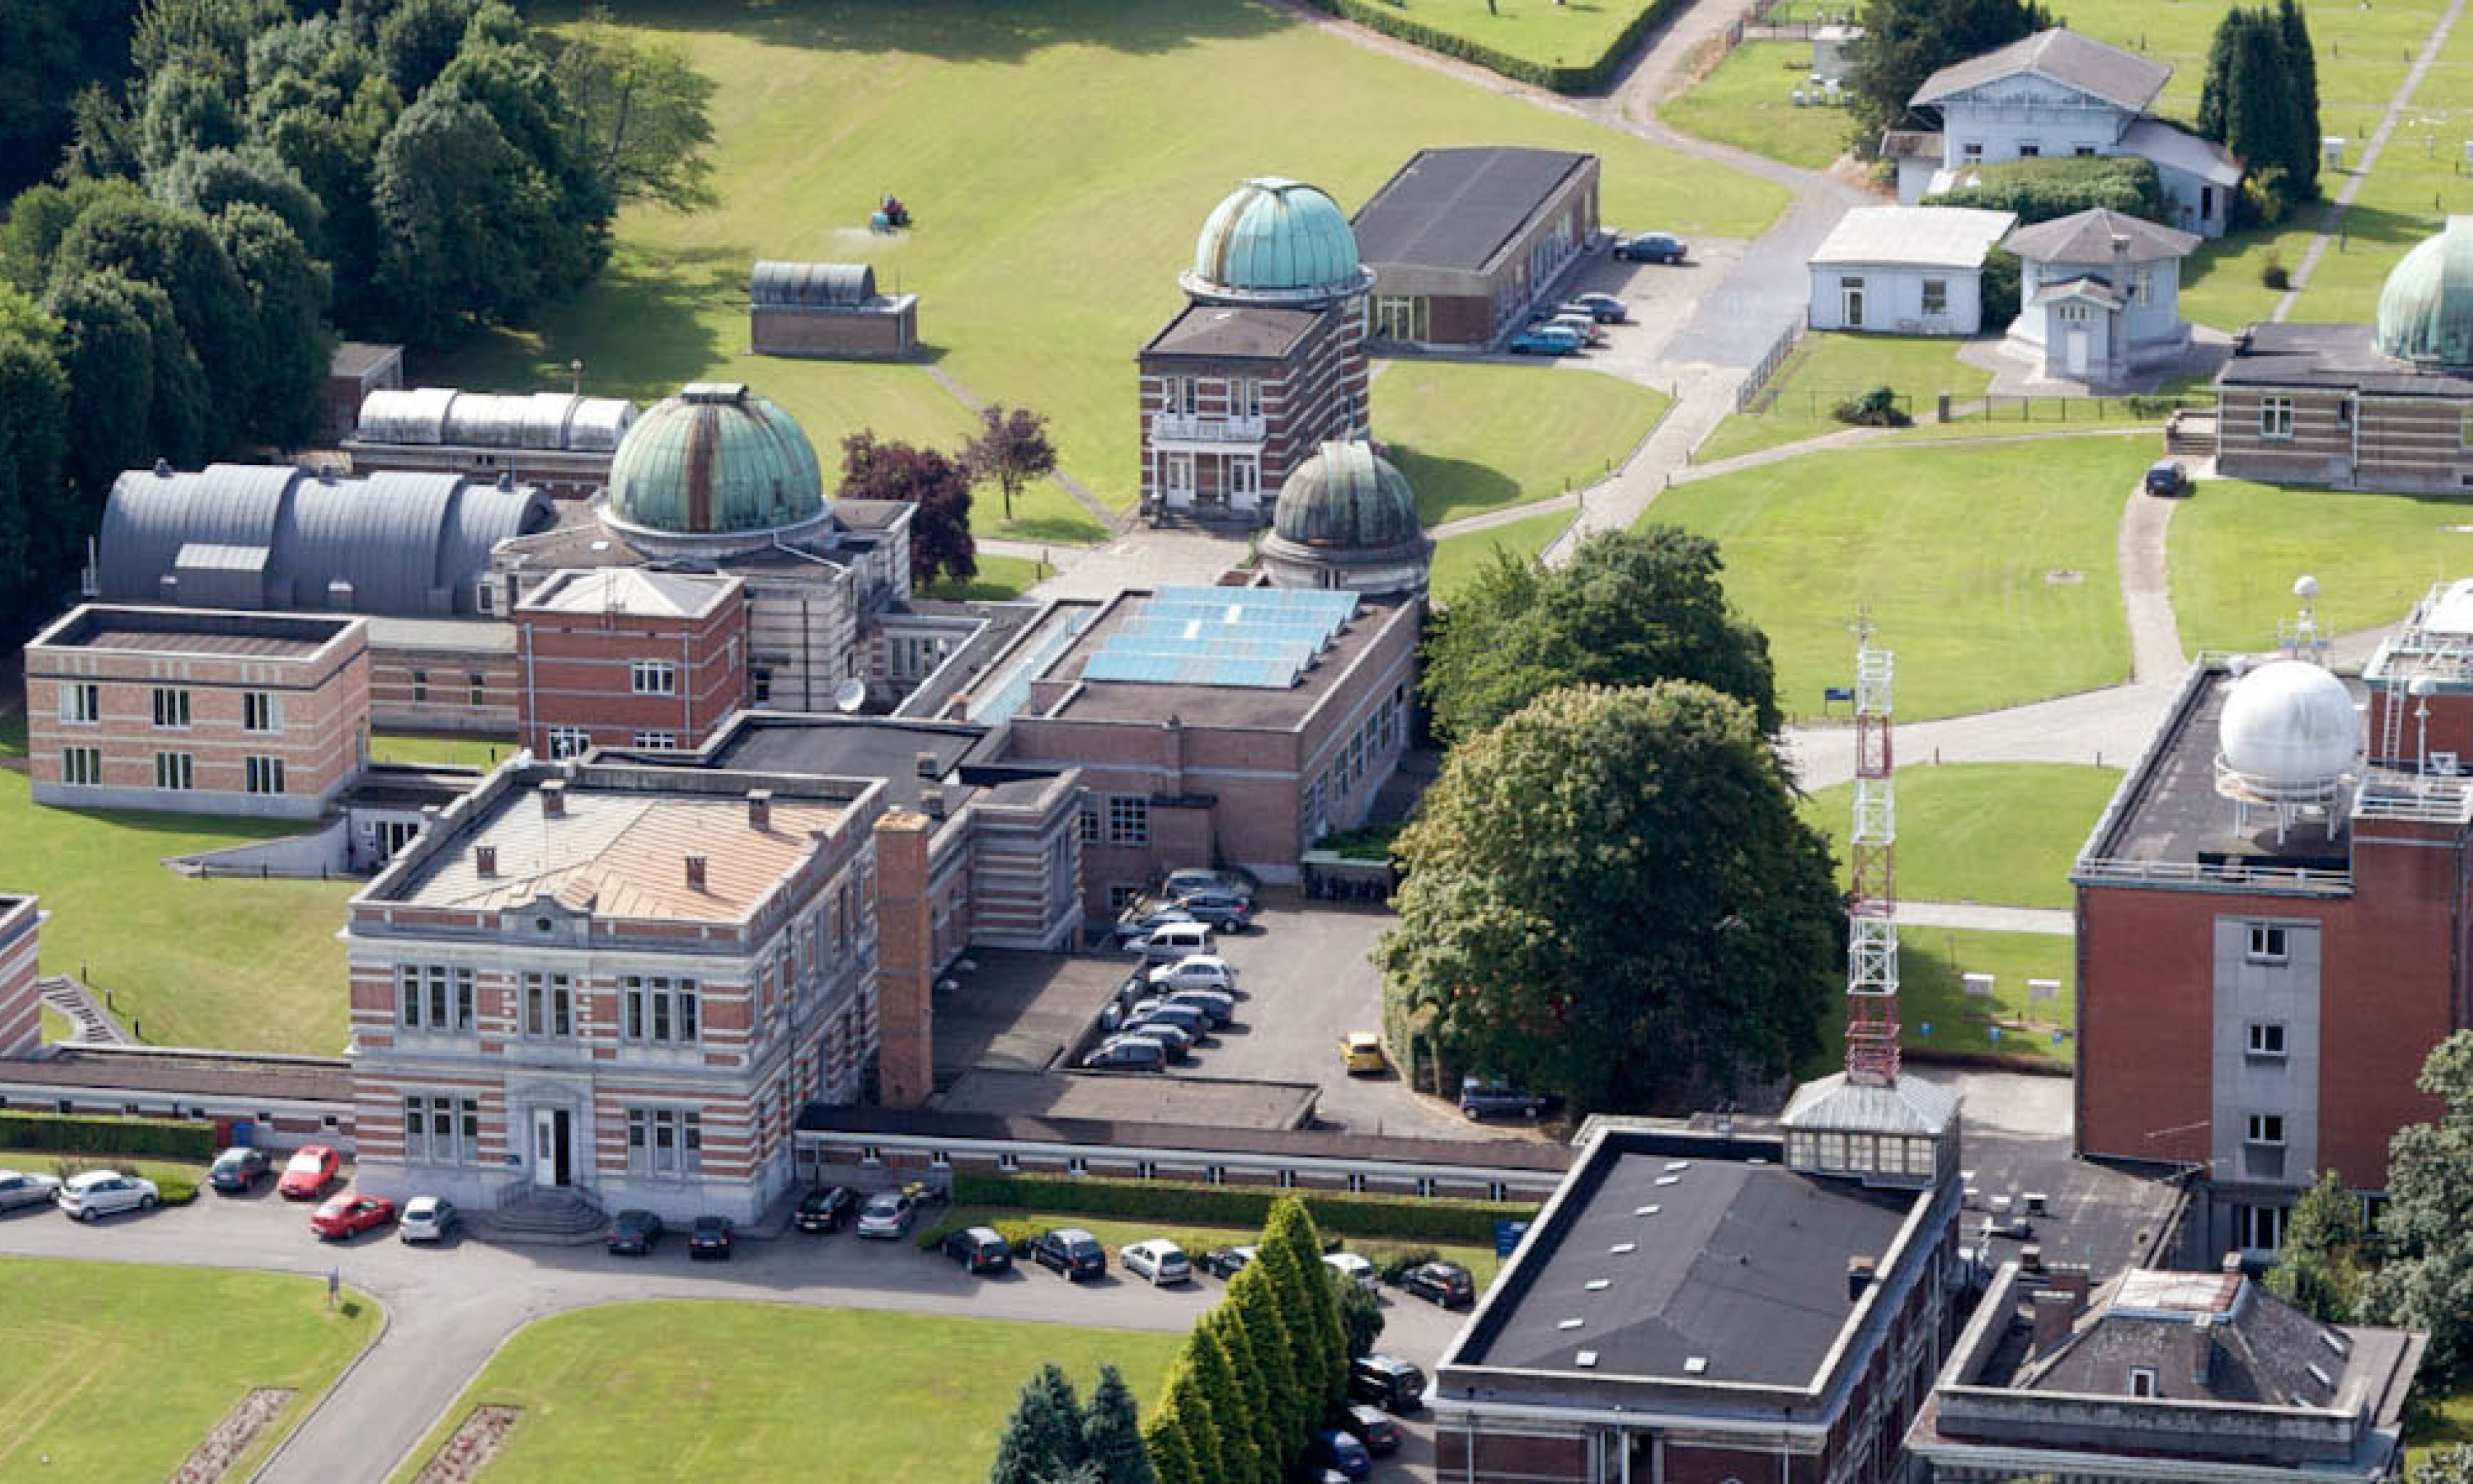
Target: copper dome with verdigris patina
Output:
[(1276, 241), (1346, 519), (715, 463), (2426, 309)]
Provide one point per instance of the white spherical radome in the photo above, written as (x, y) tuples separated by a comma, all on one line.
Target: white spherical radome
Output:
[(2290, 724)]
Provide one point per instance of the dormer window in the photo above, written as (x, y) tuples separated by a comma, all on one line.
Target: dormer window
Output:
[(2142, 1381)]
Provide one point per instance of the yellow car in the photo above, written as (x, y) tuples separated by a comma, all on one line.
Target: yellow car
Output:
[(1361, 1052)]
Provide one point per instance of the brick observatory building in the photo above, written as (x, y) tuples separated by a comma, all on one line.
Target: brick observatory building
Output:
[(624, 657), (1265, 361), (2272, 924)]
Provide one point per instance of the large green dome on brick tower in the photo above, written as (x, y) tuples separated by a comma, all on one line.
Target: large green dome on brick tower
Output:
[(2426, 310), (714, 462), (1276, 241)]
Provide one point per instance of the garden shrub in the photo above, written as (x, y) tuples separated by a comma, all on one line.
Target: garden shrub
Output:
[(1394, 1264), (1877, 408), (2273, 274), (65, 1134), (1404, 1217), (2040, 190)]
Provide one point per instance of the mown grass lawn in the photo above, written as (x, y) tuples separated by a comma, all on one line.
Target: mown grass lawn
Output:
[(454, 750), (1475, 438), (1827, 369), (2440, 1421), (999, 577), (1457, 559), (1937, 1015), (2235, 548), (2003, 833), (1987, 568), (244, 965), (117, 1371), (1551, 33), (675, 1390), (1748, 102), (1050, 230)]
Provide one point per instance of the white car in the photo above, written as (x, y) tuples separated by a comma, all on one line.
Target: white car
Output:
[(18, 1189), (1160, 1260), (1355, 1269), (427, 1218), (101, 1193), (1195, 972)]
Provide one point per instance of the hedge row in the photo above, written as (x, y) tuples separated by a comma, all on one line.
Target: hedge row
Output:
[(1561, 78), (1407, 1217), (67, 1134), (2044, 190)]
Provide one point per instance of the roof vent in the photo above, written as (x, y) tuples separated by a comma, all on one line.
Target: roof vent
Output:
[(2321, 1378), (1586, 1361), (760, 809), (1696, 1365), (162, 469), (553, 797), (1569, 1323), (1860, 1271), (506, 479), (1647, 1210), (2328, 1338), (1674, 1165), (2232, 1262), (1621, 1248), (485, 860), (1670, 1180), (932, 802), (928, 767), (695, 873), (1597, 1284)]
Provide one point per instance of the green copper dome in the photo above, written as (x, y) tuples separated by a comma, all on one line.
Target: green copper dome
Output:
[(1280, 241), (714, 461), (1346, 497), (2426, 310)]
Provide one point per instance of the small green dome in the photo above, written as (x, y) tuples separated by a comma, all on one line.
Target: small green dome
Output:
[(1346, 498), (715, 460), (1280, 240), (2426, 310)]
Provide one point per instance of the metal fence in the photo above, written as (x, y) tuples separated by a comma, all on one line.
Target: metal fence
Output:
[(1767, 366), (1935, 407)]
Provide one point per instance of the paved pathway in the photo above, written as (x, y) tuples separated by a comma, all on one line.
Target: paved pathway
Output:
[(2155, 654), (2334, 225), (2052, 922)]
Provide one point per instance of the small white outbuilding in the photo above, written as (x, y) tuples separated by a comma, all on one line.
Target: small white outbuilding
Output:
[(1905, 269)]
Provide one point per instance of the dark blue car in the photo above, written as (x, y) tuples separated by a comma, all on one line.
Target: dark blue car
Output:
[(1333, 1448)]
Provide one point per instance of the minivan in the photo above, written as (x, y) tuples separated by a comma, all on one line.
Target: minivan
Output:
[(1388, 1381), (1171, 942)]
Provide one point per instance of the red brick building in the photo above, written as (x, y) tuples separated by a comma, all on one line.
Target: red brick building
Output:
[(831, 310), (1265, 361), (623, 656), (197, 712), (356, 370), (21, 1009), (1465, 242), (2273, 934)]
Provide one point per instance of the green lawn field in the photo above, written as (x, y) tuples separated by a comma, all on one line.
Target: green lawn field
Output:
[(999, 577), (678, 1390), (2003, 833), (1051, 232), (1475, 438), (1989, 569), (2235, 548), (1935, 1013), (117, 1371), (244, 966), (1748, 102), (1458, 558), (1827, 369), (1551, 33), (451, 750)]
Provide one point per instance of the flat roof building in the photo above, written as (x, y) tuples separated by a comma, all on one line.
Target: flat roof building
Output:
[(1911, 270), (630, 657), (1464, 241)]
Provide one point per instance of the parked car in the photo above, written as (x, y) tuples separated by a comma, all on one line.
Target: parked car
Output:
[(1447, 1283), (1361, 1052), (350, 1214), (1355, 1269), (2168, 478), (1160, 1260), (1227, 1261), (1583, 324), (1652, 247), (239, 1168), (1127, 1054), (632, 1232), (1331, 1448), (428, 1218), (979, 1250), (99, 1194), (1194, 1023), (17, 1188), (887, 1214), (1136, 925), (312, 1170), (1173, 940), (1193, 879), (1372, 1426), (1546, 340), (825, 1209), (1174, 1042), (708, 1237), (1071, 1250), (1225, 911), (1605, 308), (1196, 971), (1387, 1381), (1482, 1096), (1219, 1007)]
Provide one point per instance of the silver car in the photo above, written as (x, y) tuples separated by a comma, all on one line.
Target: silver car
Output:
[(886, 1214), (99, 1194), (427, 1218), (21, 1189)]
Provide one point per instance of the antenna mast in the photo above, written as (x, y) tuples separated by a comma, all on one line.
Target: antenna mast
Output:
[(1871, 909)]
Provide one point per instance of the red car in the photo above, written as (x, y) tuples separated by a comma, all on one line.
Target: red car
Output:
[(311, 1171), (350, 1215)]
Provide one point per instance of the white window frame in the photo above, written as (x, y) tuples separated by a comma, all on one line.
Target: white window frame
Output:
[(261, 711), (2251, 1222), (1129, 819), (549, 1006), (262, 774), (82, 767), (2275, 419), (426, 1143), (2262, 1129), (2142, 1382), (664, 1143), (1935, 296), (438, 998), (654, 676), (569, 742), (657, 739), (81, 704), (2269, 942), (661, 1010), (172, 707), (176, 772), (2266, 1040)]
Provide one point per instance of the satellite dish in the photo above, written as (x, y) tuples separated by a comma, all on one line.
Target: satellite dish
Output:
[(850, 696), (2305, 586)]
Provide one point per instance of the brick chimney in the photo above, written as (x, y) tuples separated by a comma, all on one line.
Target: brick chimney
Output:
[(905, 961), (2054, 1311), (553, 797), (485, 860), (695, 873), (760, 809), (2071, 1278)]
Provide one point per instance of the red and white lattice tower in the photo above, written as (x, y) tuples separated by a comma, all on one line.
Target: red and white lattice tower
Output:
[(1871, 912)]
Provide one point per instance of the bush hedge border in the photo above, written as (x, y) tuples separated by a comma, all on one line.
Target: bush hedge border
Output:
[(1407, 1218), (65, 1134), (1561, 78)]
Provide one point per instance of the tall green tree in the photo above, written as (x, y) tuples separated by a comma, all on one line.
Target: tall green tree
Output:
[(207, 180), (50, 52), (1904, 42), (1360, 1315), (1629, 609), (1165, 1444), (418, 39), (642, 111), (1254, 1403), (2428, 1283), (178, 253), (33, 443), (291, 346), (1255, 1306), (42, 215), (1042, 1436), (2321, 1267), (1013, 448), (458, 209), (1610, 895), (2301, 66), (512, 81), (1292, 1241), (1184, 1411), (2259, 97), (186, 107), (136, 391), (1112, 1436), (317, 99), (1214, 1379)]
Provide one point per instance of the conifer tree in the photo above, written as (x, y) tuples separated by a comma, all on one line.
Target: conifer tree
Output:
[(1112, 1436)]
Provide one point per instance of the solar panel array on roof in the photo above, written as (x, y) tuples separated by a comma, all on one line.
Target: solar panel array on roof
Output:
[(1257, 637)]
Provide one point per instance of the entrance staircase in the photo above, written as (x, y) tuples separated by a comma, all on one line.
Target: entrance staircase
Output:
[(2190, 434), (548, 1215)]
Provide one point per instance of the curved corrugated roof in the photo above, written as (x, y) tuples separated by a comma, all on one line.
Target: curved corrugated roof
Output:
[(545, 420), (797, 284), (150, 516), (400, 416)]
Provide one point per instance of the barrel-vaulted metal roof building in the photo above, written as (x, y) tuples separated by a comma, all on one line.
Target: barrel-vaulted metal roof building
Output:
[(277, 537), (774, 283), (551, 421)]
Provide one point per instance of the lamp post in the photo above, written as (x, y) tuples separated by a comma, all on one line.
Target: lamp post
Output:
[(575, 376)]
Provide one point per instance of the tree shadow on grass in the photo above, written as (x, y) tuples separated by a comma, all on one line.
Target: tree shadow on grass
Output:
[(1450, 488), (2376, 227), (999, 31), (1064, 530), (638, 329)]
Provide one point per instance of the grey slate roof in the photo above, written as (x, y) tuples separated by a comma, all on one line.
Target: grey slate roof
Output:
[(2107, 72), (2086, 237), (1455, 208), (2178, 148), (276, 537), (2336, 356)]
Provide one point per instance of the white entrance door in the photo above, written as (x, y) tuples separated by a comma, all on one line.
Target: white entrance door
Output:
[(1854, 306), (549, 1147), (1180, 479), (2078, 352)]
